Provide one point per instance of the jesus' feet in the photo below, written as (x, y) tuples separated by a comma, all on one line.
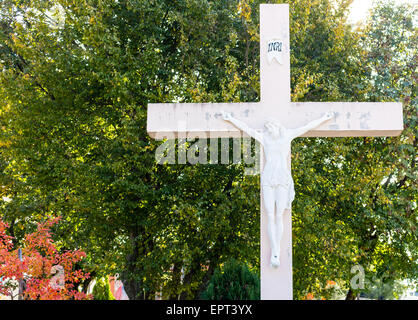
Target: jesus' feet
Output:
[(275, 260)]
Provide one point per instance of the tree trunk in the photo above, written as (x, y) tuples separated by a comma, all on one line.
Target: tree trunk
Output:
[(351, 295), (205, 280), (86, 282), (132, 287), (176, 281), (194, 268)]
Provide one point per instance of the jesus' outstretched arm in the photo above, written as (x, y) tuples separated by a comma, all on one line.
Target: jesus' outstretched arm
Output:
[(294, 133), (242, 126)]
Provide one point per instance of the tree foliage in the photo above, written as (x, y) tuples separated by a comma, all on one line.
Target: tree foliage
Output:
[(101, 290)]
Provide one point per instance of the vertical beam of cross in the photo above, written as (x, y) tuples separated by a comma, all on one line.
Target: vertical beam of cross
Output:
[(276, 283), (274, 76)]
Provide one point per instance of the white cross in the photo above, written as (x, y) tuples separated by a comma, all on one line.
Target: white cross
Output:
[(204, 120)]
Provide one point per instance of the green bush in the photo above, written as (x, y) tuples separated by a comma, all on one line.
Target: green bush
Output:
[(234, 282), (101, 290)]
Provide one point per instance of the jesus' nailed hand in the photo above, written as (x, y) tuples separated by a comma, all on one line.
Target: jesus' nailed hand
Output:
[(276, 179)]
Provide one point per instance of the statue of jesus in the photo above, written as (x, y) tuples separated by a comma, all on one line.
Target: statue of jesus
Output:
[(276, 178)]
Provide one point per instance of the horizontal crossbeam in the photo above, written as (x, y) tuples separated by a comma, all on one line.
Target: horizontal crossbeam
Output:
[(351, 119)]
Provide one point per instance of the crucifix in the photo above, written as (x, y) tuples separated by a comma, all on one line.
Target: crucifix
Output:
[(289, 120)]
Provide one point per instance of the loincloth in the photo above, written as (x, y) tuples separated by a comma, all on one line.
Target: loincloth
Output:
[(285, 181)]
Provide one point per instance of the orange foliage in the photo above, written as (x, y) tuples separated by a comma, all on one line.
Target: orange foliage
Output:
[(39, 256), (331, 283), (309, 296)]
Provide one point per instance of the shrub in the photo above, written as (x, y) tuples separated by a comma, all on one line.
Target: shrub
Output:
[(234, 282)]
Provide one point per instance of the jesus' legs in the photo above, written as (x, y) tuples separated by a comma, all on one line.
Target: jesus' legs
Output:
[(269, 201), (281, 194)]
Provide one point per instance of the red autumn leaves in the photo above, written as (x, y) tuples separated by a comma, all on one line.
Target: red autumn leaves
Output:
[(47, 273)]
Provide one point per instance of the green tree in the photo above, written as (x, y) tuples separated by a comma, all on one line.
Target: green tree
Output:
[(74, 139)]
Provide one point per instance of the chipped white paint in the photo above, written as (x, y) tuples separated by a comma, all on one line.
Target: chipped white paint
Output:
[(204, 119)]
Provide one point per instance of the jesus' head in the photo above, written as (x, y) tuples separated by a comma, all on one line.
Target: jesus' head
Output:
[(274, 127)]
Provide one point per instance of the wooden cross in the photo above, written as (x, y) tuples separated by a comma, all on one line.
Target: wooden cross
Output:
[(204, 120)]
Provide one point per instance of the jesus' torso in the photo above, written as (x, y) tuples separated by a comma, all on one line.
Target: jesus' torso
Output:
[(276, 169)]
